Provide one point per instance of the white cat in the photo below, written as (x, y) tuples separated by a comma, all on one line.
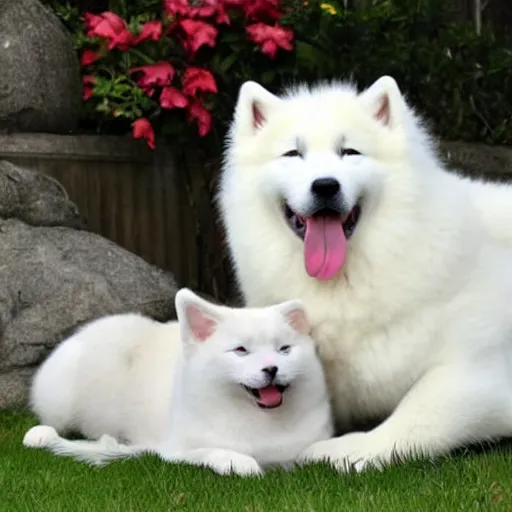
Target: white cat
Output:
[(243, 389)]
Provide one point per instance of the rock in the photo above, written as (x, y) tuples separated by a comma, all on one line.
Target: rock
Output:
[(54, 277), (36, 199), (40, 86)]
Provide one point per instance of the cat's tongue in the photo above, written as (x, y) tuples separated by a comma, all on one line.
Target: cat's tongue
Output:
[(270, 396), (325, 246)]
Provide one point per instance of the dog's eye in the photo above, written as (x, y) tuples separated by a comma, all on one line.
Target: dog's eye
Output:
[(241, 351), (348, 152), (292, 152), (285, 349)]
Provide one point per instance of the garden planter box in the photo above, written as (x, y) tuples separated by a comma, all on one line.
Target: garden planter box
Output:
[(153, 203)]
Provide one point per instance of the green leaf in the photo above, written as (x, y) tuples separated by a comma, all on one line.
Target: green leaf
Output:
[(228, 62), (267, 77), (307, 54)]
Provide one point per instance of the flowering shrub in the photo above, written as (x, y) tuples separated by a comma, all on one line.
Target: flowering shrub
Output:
[(151, 69), (179, 64)]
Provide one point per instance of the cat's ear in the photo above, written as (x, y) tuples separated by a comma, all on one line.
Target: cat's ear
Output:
[(385, 102), (294, 313), (197, 317), (253, 108)]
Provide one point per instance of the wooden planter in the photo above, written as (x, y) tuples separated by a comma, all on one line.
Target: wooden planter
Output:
[(154, 204)]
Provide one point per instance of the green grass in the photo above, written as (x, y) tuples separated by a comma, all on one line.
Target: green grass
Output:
[(33, 480)]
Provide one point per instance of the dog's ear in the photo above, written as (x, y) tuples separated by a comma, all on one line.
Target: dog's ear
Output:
[(197, 317), (295, 314), (385, 102), (253, 108)]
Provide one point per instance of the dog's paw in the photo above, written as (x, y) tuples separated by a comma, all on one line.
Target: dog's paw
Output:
[(40, 436), (225, 462), (352, 452)]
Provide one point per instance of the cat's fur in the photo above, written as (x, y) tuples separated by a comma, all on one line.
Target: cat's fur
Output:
[(180, 389)]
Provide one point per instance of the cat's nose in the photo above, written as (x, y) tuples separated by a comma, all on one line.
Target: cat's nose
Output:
[(270, 371)]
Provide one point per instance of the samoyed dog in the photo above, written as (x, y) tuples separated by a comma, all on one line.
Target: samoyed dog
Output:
[(337, 197), (234, 389)]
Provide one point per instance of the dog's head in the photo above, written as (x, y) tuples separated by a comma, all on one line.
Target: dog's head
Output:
[(253, 354), (320, 157)]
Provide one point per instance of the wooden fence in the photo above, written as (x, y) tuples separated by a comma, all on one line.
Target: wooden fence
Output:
[(148, 202)]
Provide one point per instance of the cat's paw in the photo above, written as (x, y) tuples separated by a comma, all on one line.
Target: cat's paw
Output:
[(40, 436), (225, 462)]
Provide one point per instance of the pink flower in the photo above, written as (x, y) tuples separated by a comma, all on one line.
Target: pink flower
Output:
[(198, 34), (89, 57), (198, 9), (262, 8), (173, 7), (142, 129), (256, 9), (91, 20), (111, 27), (154, 75), (88, 82), (209, 8), (203, 118), (172, 98), (150, 30), (197, 79), (270, 37)]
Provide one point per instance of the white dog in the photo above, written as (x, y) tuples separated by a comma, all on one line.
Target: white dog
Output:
[(337, 198), (241, 390)]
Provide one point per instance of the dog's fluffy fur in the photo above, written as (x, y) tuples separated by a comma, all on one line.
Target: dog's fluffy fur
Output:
[(411, 314)]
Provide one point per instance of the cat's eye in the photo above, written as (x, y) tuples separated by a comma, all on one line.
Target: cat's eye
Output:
[(292, 152), (285, 349), (348, 152), (241, 351)]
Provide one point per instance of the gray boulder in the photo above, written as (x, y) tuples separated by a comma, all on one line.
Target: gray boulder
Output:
[(55, 276), (40, 86), (36, 199)]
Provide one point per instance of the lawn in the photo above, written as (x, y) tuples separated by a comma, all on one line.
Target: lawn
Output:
[(33, 480)]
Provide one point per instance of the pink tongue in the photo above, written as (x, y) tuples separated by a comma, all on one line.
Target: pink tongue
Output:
[(325, 246), (270, 396)]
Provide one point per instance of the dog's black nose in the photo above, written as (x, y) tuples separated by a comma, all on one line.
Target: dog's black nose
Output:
[(325, 188), (270, 370)]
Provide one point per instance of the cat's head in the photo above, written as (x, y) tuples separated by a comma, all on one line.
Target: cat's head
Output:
[(257, 354)]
